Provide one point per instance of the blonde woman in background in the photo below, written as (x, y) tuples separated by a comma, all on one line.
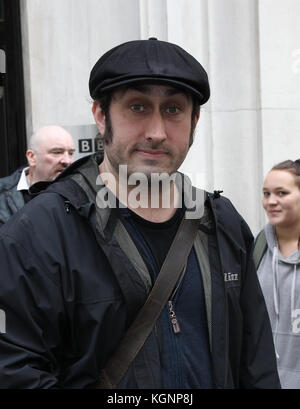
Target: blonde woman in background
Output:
[(279, 269)]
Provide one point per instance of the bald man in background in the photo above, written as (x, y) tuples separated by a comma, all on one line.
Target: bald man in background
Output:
[(50, 151)]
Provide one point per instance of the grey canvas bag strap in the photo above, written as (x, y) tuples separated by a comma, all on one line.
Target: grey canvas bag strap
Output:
[(144, 322), (260, 247)]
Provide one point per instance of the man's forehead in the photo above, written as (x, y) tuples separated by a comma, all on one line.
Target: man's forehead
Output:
[(152, 88), (57, 142)]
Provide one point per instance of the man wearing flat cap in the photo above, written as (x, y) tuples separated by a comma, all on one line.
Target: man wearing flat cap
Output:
[(132, 278)]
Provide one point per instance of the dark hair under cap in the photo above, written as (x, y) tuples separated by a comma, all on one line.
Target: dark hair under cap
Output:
[(149, 60)]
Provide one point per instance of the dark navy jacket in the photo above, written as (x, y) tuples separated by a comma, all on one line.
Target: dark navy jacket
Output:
[(72, 281), (11, 200)]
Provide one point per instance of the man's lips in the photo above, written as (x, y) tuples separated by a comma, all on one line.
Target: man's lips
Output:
[(151, 153)]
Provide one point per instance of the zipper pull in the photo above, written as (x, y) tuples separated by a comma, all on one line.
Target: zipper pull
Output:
[(173, 318)]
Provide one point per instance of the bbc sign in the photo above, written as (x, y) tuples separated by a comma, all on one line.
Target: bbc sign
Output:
[(86, 138), (90, 145)]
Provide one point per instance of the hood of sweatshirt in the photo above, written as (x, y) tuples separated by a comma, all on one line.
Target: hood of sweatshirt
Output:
[(280, 281), (279, 263)]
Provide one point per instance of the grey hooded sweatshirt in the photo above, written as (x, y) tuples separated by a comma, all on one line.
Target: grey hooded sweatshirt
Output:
[(280, 281)]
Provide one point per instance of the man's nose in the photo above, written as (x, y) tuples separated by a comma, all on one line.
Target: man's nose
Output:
[(156, 128), (67, 158)]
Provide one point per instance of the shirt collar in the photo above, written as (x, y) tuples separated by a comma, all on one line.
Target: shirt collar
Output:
[(23, 183)]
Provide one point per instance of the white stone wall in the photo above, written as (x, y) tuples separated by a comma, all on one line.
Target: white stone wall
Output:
[(250, 48)]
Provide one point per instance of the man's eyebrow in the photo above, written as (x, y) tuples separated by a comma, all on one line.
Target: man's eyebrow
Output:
[(174, 91), (146, 89), (59, 148)]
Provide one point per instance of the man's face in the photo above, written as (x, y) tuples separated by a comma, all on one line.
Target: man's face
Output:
[(54, 153), (151, 126)]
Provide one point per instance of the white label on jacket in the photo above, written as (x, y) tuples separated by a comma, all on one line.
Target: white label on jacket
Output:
[(231, 277)]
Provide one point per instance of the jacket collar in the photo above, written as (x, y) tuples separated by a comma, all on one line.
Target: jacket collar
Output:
[(85, 172)]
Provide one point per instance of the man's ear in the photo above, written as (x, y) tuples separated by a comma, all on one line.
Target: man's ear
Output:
[(197, 116), (99, 117), (31, 157)]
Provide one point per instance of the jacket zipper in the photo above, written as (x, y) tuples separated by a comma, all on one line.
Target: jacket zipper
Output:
[(172, 314), (225, 300), (173, 318)]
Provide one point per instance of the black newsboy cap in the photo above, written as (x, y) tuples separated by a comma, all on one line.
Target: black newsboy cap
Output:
[(149, 60)]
